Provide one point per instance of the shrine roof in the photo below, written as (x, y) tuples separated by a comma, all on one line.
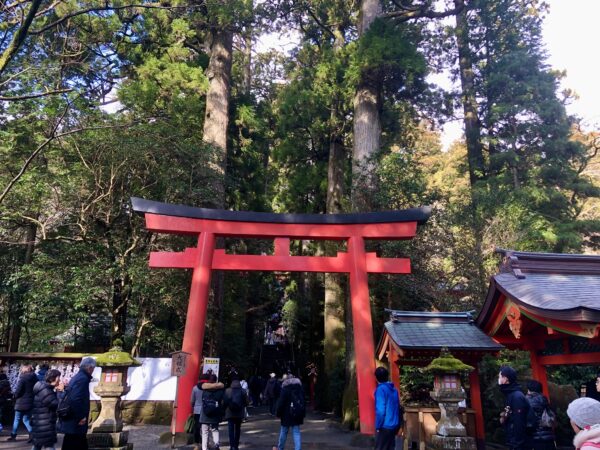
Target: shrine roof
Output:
[(553, 285), (434, 330), (419, 215)]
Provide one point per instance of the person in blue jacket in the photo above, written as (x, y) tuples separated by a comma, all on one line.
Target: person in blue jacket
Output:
[(388, 413), (516, 408), (76, 426)]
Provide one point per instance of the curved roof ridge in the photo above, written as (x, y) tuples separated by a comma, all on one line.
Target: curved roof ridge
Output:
[(419, 215)]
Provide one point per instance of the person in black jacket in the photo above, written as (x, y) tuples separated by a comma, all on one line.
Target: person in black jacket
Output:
[(235, 401), (542, 437), (516, 408), (291, 408), (43, 414), (76, 426), (23, 401), (5, 395)]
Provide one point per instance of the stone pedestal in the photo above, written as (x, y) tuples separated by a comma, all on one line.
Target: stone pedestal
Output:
[(452, 443), (107, 430), (109, 420)]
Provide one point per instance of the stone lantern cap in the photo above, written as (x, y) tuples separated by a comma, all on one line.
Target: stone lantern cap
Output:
[(446, 363), (116, 357)]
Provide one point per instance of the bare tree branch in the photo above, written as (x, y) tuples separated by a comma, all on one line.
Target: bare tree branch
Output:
[(43, 145), (38, 95), (405, 14), (19, 36)]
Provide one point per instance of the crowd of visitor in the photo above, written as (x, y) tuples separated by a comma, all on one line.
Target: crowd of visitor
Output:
[(47, 407)]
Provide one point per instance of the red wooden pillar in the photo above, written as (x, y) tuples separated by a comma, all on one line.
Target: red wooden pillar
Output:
[(364, 345), (477, 406), (539, 372), (394, 368), (193, 337)]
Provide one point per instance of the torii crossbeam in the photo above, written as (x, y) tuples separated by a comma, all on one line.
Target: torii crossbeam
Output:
[(209, 224)]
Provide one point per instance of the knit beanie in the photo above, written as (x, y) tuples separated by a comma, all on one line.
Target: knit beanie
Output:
[(510, 373), (584, 411)]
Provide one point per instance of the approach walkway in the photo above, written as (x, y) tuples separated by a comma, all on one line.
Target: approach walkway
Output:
[(260, 431)]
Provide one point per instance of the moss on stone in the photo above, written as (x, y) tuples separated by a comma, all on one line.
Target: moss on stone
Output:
[(116, 357), (446, 363)]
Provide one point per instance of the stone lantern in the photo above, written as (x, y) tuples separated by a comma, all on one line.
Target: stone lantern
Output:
[(448, 392), (107, 430)]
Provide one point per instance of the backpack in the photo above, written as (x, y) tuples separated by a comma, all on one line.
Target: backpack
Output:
[(210, 406), (548, 419), (297, 404), (236, 404), (64, 409)]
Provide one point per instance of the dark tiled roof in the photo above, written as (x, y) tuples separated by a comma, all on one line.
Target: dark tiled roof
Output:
[(557, 286), (419, 215), (437, 330)]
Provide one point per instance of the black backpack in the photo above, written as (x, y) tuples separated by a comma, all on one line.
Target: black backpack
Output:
[(210, 406), (236, 404), (297, 404), (64, 410)]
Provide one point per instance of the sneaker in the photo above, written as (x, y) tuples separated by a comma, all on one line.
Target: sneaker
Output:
[(13, 437)]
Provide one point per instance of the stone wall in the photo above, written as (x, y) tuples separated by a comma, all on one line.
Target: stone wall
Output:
[(138, 412)]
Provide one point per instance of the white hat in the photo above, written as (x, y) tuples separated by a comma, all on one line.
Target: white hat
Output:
[(584, 411)]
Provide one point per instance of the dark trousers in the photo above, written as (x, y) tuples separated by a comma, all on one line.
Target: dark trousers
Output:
[(75, 442), (197, 428), (272, 405), (386, 439), (235, 428)]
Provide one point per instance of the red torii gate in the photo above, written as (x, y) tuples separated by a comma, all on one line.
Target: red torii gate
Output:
[(208, 224)]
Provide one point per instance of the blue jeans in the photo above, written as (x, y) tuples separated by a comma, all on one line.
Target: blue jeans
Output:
[(283, 432), (18, 416)]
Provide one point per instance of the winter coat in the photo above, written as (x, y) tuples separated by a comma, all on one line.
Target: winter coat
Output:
[(586, 437), (212, 391), (5, 392), (515, 426), (288, 387), (387, 407), (272, 389), (538, 403), (24, 392), (43, 414), (235, 389), (79, 399)]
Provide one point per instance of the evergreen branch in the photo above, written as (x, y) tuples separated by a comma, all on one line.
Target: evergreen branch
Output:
[(321, 25), (38, 95), (107, 8)]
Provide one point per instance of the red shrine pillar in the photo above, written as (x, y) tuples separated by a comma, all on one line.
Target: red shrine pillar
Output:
[(364, 345), (477, 406), (193, 337), (394, 367), (539, 372)]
